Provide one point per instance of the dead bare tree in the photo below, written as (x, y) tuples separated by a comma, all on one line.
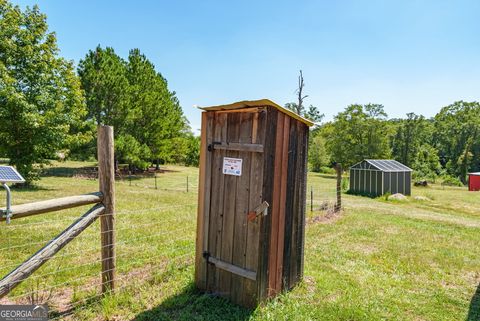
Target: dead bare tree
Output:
[(301, 84), (312, 113)]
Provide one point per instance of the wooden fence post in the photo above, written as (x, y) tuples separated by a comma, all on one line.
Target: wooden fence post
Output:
[(338, 204), (106, 179), (311, 199)]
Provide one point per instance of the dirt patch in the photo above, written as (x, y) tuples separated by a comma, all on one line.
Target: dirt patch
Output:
[(326, 217), (309, 284), (60, 300), (365, 249), (421, 198)]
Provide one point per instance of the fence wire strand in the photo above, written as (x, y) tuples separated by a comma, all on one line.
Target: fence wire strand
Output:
[(145, 236)]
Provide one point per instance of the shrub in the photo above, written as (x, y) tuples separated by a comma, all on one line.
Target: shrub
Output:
[(451, 181), (327, 170), (345, 183)]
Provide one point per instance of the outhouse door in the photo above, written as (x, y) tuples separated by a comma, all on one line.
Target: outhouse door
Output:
[(236, 204)]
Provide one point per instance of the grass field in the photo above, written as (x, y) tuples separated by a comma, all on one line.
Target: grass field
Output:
[(395, 260)]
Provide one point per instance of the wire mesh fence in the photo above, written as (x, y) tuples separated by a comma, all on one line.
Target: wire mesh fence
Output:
[(324, 194), (155, 230), (165, 177), (156, 180)]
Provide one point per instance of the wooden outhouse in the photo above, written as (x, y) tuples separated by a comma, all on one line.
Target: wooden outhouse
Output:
[(251, 209)]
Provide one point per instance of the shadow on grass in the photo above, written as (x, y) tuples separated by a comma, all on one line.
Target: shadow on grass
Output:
[(474, 310), (66, 171), (323, 175), (381, 197), (190, 304), (20, 188)]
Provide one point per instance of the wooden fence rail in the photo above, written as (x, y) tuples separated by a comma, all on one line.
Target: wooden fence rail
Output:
[(105, 210), (25, 269), (53, 205)]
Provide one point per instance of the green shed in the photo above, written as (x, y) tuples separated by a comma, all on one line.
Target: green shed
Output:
[(376, 177)]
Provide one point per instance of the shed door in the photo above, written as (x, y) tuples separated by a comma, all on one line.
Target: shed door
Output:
[(236, 193)]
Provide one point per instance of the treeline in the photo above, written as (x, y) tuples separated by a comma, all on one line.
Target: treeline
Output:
[(47, 109), (149, 124), (445, 146)]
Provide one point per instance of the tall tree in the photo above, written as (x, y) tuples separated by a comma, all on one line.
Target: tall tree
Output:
[(412, 145), (360, 132), (410, 134), (40, 95), (158, 119), (134, 98), (457, 137), (104, 80), (317, 154), (103, 76), (426, 164)]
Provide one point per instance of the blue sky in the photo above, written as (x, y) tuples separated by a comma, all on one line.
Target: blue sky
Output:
[(407, 55)]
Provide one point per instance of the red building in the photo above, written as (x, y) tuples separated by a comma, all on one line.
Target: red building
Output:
[(474, 181)]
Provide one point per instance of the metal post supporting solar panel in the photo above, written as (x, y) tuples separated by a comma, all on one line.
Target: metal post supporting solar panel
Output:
[(8, 174)]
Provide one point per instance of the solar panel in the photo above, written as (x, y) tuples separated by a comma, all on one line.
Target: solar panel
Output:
[(8, 174)]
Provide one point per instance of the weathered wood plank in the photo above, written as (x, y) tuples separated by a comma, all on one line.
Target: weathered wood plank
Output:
[(238, 271), (293, 275), (302, 200), (241, 147), (216, 199), (265, 223), (296, 271), (283, 196), (24, 270), (290, 210), (24, 210), (252, 247), (272, 283), (203, 192), (230, 191), (242, 207), (299, 202), (242, 110), (106, 180)]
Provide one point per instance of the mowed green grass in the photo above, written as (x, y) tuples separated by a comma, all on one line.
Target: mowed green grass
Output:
[(410, 260)]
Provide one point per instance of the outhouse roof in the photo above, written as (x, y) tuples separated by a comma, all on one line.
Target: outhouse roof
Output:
[(474, 174), (386, 165), (259, 103)]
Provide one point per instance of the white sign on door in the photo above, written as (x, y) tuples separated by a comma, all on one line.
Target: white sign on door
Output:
[(232, 166)]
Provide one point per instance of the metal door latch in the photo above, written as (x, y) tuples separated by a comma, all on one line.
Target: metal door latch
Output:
[(206, 255), (261, 209), (211, 147)]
